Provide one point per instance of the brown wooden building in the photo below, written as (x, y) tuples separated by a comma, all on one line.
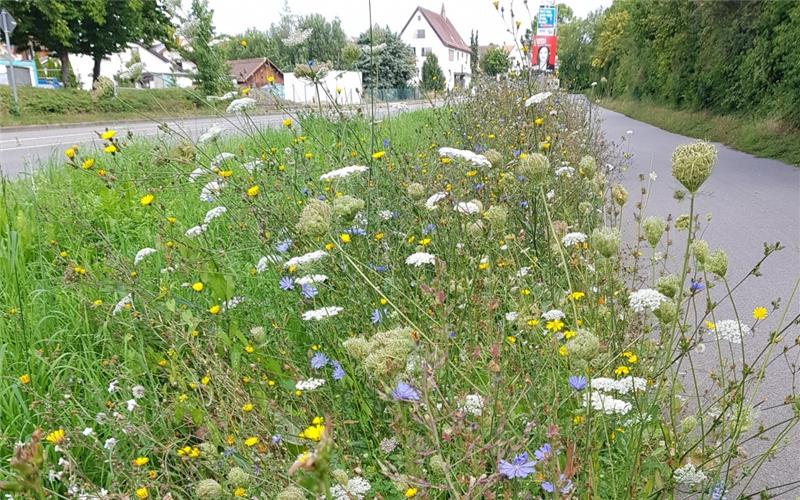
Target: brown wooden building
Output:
[(254, 72)]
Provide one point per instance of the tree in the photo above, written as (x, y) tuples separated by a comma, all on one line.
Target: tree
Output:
[(432, 76), (495, 61), (386, 61), (474, 59), (212, 71)]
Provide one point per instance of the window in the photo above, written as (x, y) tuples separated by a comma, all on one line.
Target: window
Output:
[(414, 49), (450, 54), (426, 51), (420, 33), (419, 17)]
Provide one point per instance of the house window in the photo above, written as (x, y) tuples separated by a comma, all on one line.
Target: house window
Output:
[(420, 33), (450, 54), (414, 49), (419, 17), (426, 51)]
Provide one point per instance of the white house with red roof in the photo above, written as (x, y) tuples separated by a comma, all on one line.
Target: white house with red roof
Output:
[(427, 31)]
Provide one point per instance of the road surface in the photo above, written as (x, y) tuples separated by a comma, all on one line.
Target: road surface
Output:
[(25, 149), (752, 201)]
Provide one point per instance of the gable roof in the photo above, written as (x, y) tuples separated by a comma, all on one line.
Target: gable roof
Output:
[(443, 28), (242, 69)]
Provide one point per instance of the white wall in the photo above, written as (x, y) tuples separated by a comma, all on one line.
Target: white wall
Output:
[(459, 64), (303, 91)]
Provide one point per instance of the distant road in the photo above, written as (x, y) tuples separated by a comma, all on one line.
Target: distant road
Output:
[(26, 149)]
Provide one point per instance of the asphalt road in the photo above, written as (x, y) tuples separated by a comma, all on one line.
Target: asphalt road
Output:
[(25, 149), (752, 201)]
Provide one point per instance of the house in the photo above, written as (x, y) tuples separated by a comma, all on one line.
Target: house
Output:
[(255, 72), (517, 61), (159, 67), (429, 32)]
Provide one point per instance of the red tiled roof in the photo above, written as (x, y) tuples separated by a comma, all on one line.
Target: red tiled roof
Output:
[(242, 69), (444, 29)]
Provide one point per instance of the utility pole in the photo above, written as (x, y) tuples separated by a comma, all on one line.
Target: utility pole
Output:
[(8, 23)]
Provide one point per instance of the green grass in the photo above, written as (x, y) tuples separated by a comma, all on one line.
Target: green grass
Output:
[(763, 137)]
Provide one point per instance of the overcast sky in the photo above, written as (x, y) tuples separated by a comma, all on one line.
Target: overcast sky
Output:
[(235, 16)]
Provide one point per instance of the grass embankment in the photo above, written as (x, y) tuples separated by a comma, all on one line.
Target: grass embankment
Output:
[(758, 136)]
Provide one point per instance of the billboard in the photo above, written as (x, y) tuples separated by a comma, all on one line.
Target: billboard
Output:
[(544, 52), (546, 21)]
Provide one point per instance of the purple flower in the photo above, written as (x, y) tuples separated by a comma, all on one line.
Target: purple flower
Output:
[(283, 246), (479, 148), (286, 283), (356, 231), (718, 491), (696, 286), (386, 143), (520, 467), (228, 452), (338, 371), (548, 486), (479, 186), (308, 291), (378, 315), (380, 269), (544, 452), (404, 392), (428, 229), (321, 197), (276, 439), (523, 204), (517, 152), (577, 382), (318, 361), (567, 488)]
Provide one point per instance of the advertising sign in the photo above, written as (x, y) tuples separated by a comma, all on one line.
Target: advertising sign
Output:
[(544, 52), (546, 20)]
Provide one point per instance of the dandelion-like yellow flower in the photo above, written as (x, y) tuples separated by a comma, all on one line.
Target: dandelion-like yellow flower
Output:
[(142, 493), (577, 295), (252, 191), (70, 152), (108, 134), (251, 441), (198, 286), (563, 351), (483, 266), (377, 155), (554, 325), (445, 160), (511, 339), (141, 461), (24, 379), (214, 309), (621, 370), (87, 163), (378, 236), (248, 407), (101, 172), (472, 173), (205, 380), (631, 357), (111, 149), (538, 122), (344, 237), (410, 493), (147, 199), (760, 313), (287, 122), (309, 155), (240, 492), (568, 334), (225, 173), (55, 437), (313, 432), (249, 349), (533, 322), (152, 474)]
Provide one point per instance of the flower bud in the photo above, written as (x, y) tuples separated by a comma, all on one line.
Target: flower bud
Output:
[(606, 241), (416, 191), (699, 249), (692, 164), (494, 157), (534, 167), (208, 489), (619, 194), (653, 228), (717, 263)]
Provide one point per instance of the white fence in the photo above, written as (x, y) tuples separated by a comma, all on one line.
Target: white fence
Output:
[(344, 87)]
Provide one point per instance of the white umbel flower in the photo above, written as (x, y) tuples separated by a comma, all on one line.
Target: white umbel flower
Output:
[(343, 172), (537, 98), (431, 203), (251, 166), (196, 231), (266, 260), (605, 403), (553, 314), (231, 303), (211, 190), (572, 239), (473, 404), (621, 386), (356, 488), (305, 259), (125, 303), (242, 104), (310, 279), (212, 133), (320, 314), (199, 171), (419, 259), (310, 384), (141, 254), (476, 159), (220, 158), (467, 207), (731, 330), (646, 299), (512, 316), (689, 474), (214, 213), (565, 171)]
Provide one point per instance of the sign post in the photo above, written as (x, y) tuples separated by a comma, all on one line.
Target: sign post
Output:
[(8, 23)]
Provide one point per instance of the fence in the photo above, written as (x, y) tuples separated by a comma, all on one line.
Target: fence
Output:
[(397, 94)]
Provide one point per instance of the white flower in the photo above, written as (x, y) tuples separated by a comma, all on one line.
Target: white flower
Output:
[(263, 262), (110, 443), (220, 158), (356, 488), (125, 303), (214, 213), (386, 214), (605, 403), (113, 386), (343, 172), (689, 474), (537, 98), (467, 207), (553, 314), (319, 314), (231, 303), (212, 133), (572, 239), (653, 175), (305, 259), (512, 316), (168, 269), (523, 271), (473, 404), (195, 231), (310, 279), (621, 386), (310, 384), (594, 84), (551, 195), (137, 391), (420, 258), (297, 37), (646, 299), (132, 404), (629, 132), (241, 104), (88, 431), (252, 165), (430, 204), (211, 190), (464, 154), (565, 171), (194, 174), (223, 97), (141, 254), (731, 330)]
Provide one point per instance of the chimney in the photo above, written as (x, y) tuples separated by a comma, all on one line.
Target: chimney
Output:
[(443, 14)]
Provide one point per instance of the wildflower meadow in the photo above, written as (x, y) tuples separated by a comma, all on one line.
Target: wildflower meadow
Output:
[(436, 304)]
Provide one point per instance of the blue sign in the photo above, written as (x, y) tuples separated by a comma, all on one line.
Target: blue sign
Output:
[(547, 18)]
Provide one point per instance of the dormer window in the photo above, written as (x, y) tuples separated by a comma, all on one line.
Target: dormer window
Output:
[(420, 33)]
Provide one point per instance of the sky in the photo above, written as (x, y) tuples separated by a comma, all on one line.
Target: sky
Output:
[(235, 16)]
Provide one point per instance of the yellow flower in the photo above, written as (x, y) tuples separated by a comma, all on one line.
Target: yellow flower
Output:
[(198, 286), (525, 291), (554, 325), (152, 474), (239, 492), (425, 242), (87, 163), (248, 407), (378, 236), (146, 199), (577, 419), (445, 160), (472, 173), (225, 173), (577, 295), (205, 380), (251, 441), (411, 492), (253, 191), (568, 334), (538, 122), (563, 351), (760, 312), (308, 155), (377, 155), (70, 153), (110, 149), (243, 43), (270, 79), (172, 220), (140, 461), (483, 266), (621, 370), (287, 122), (55, 437), (338, 90), (317, 420), (491, 136), (710, 325), (142, 493), (214, 309), (24, 379), (533, 322), (108, 134), (313, 432), (101, 172), (249, 348), (511, 339), (344, 237), (329, 246), (631, 357)]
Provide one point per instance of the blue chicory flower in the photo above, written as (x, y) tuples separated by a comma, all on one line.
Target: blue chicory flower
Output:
[(520, 467), (338, 371), (548, 486), (378, 315), (318, 361), (544, 452), (696, 286), (308, 291), (286, 283), (283, 246), (577, 382), (404, 392)]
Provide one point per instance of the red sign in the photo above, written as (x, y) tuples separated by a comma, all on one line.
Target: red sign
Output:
[(543, 55)]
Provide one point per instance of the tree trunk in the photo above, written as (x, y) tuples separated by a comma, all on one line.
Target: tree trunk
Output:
[(63, 56), (96, 69)]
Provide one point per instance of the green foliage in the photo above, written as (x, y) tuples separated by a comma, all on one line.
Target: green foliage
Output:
[(212, 71), (432, 76), (495, 61), (386, 61), (474, 61)]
